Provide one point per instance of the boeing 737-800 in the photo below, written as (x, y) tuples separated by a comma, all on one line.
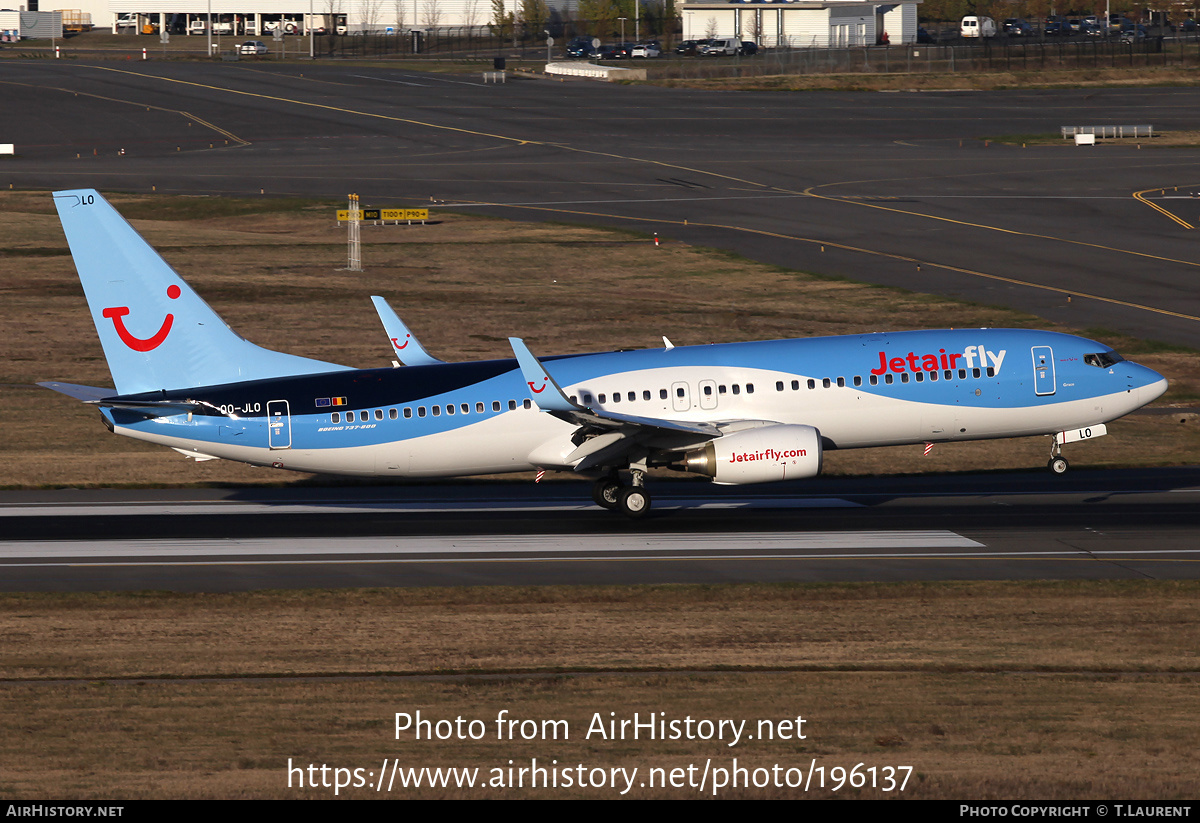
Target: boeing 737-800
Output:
[(738, 412)]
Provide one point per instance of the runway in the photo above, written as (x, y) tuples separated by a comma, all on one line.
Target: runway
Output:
[(896, 189), (1137, 525)]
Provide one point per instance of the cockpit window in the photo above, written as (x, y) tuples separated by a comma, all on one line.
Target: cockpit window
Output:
[(1102, 360)]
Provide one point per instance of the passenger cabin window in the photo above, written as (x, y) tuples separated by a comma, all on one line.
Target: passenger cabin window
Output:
[(528, 403), (662, 394), (379, 414), (420, 411), (495, 405), (407, 412), (512, 405), (812, 384), (336, 417), (749, 388), (437, 411), (795, 385), (646, 394)]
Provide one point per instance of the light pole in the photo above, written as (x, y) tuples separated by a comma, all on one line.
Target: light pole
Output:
[(637, 20), (622, 19)]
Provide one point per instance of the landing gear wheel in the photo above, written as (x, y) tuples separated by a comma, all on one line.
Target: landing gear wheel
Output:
[(605, 491), (1058, 465), (633, 501)]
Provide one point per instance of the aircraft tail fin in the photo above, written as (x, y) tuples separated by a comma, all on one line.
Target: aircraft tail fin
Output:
[(157, 333)]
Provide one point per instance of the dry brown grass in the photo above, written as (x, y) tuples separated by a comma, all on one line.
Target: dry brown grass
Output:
[(464, 285), (1090, 77), (989, 690)]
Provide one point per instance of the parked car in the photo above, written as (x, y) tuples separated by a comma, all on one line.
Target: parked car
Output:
[(1018, 27), (1134, 35), (644, 50), (691, 46), (924, 36), (253, 47), (748, 47), (1091, 30), (972, 26), (580, 47), (722, 46)]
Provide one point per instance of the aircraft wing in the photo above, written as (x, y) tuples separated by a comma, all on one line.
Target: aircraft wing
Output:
[(616, 435), (404, 343)]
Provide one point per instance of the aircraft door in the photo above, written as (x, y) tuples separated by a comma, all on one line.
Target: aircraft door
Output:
[(1043, 370), (680, 397), (279, 424), (708, 394)]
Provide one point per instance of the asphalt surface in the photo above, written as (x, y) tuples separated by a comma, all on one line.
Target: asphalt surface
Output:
[(899, 189), (1088, 525)]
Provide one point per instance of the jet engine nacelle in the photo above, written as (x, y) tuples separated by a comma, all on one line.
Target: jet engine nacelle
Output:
[(762, 455)]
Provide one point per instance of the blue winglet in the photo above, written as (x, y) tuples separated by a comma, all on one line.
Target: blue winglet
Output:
[(546, 393), (408, 349)]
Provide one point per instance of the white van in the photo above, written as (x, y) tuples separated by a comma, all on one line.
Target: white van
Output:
[(978, 27), (723, 45)]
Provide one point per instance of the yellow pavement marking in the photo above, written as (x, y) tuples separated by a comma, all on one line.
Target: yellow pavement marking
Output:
[(1137, 195)]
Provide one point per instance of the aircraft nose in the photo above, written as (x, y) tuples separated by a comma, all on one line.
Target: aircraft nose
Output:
[(1153, 390)]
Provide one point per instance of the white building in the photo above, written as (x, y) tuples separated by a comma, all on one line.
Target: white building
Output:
[(802, 23), (782, 24)]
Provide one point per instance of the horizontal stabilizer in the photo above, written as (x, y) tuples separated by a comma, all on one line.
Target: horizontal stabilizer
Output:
[(87, 394)]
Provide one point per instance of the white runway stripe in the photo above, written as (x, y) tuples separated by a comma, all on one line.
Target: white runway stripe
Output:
[(478, 547), (335, 507)]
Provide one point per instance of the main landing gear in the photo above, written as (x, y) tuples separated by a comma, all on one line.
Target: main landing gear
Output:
[(1057, 463), (632, 501)]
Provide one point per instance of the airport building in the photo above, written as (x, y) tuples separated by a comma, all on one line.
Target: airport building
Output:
[(770, 24), (802, 24)]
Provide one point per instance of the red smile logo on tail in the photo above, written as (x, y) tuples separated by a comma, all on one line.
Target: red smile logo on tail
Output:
[(400, 345), (536, 390), (136, 343)]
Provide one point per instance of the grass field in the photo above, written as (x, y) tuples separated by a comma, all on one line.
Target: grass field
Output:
[(988, 691)]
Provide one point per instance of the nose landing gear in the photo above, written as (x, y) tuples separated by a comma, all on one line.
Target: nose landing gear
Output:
[(1057, 463)]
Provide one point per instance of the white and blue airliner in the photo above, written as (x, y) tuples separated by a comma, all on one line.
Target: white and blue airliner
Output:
[(738, 412)]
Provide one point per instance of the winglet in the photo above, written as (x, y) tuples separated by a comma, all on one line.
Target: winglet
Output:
[(539, 380), (404, 343)]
